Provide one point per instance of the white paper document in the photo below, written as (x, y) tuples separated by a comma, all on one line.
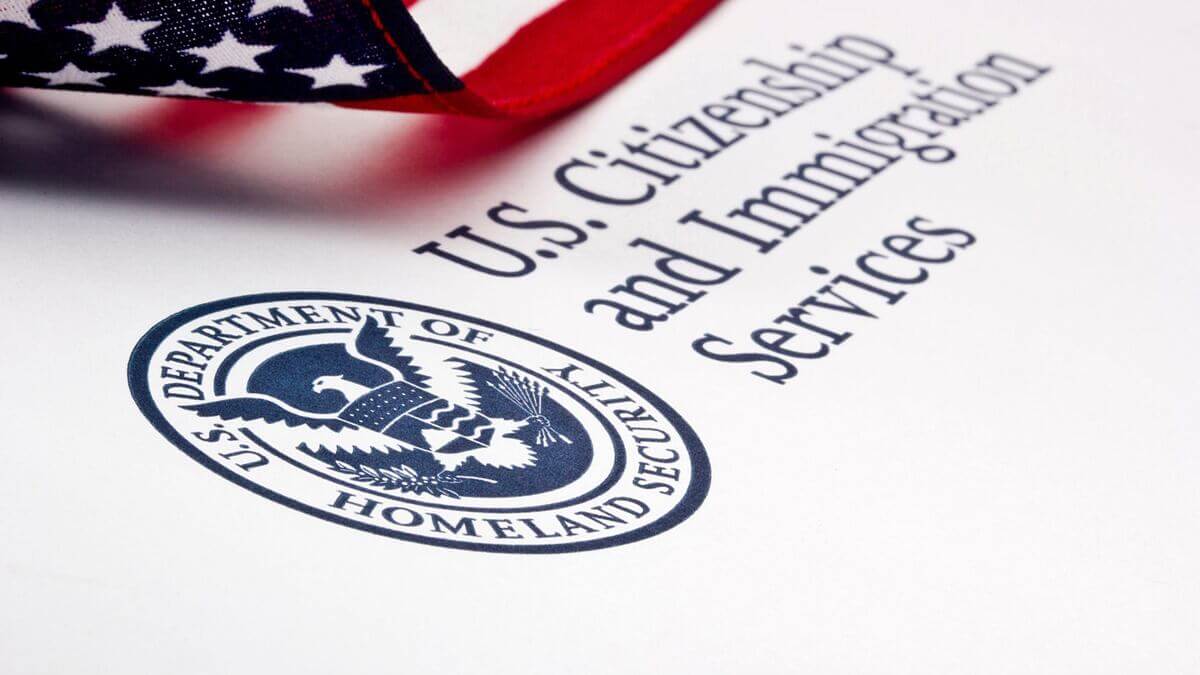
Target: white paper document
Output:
[(841, 338)]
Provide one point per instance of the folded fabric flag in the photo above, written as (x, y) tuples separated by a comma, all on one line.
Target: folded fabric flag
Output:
[(497, 58)]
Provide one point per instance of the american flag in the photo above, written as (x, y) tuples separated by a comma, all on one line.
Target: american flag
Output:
[(168, 129), (495, 58)]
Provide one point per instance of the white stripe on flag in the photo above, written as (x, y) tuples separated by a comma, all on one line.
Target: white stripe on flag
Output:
[(464, 32)]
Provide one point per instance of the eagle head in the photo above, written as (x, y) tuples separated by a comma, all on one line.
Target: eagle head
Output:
[(326, 382)]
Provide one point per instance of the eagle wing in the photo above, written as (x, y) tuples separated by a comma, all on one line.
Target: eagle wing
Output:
[(294, 429), (251, 408), (373, 344), (446, 377), (418, 363)]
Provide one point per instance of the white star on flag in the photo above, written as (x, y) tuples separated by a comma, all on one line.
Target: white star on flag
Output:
[(70, 74), (264, 6), (229, 53), (181, 88), (116, 30), (17, 11), (337, 72)]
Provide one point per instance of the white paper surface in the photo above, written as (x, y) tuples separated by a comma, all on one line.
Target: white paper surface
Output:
[(998, 474)]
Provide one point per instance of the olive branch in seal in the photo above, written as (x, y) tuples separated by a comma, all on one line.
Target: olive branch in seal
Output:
[(404, 479)]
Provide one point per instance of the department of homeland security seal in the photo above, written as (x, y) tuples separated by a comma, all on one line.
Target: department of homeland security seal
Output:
[(418, 423)]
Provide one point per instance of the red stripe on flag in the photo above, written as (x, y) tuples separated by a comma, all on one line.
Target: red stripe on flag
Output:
[(567, 55), (577, 50)]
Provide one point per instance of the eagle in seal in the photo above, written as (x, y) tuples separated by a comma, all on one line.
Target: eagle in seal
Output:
[(431, 404)]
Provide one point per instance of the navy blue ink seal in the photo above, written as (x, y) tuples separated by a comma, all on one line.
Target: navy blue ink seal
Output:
[(418, 423)]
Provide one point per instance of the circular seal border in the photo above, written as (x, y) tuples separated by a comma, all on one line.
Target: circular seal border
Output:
[(139, 387)]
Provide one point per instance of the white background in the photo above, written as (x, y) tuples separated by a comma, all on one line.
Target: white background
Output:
[(997, 476)]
